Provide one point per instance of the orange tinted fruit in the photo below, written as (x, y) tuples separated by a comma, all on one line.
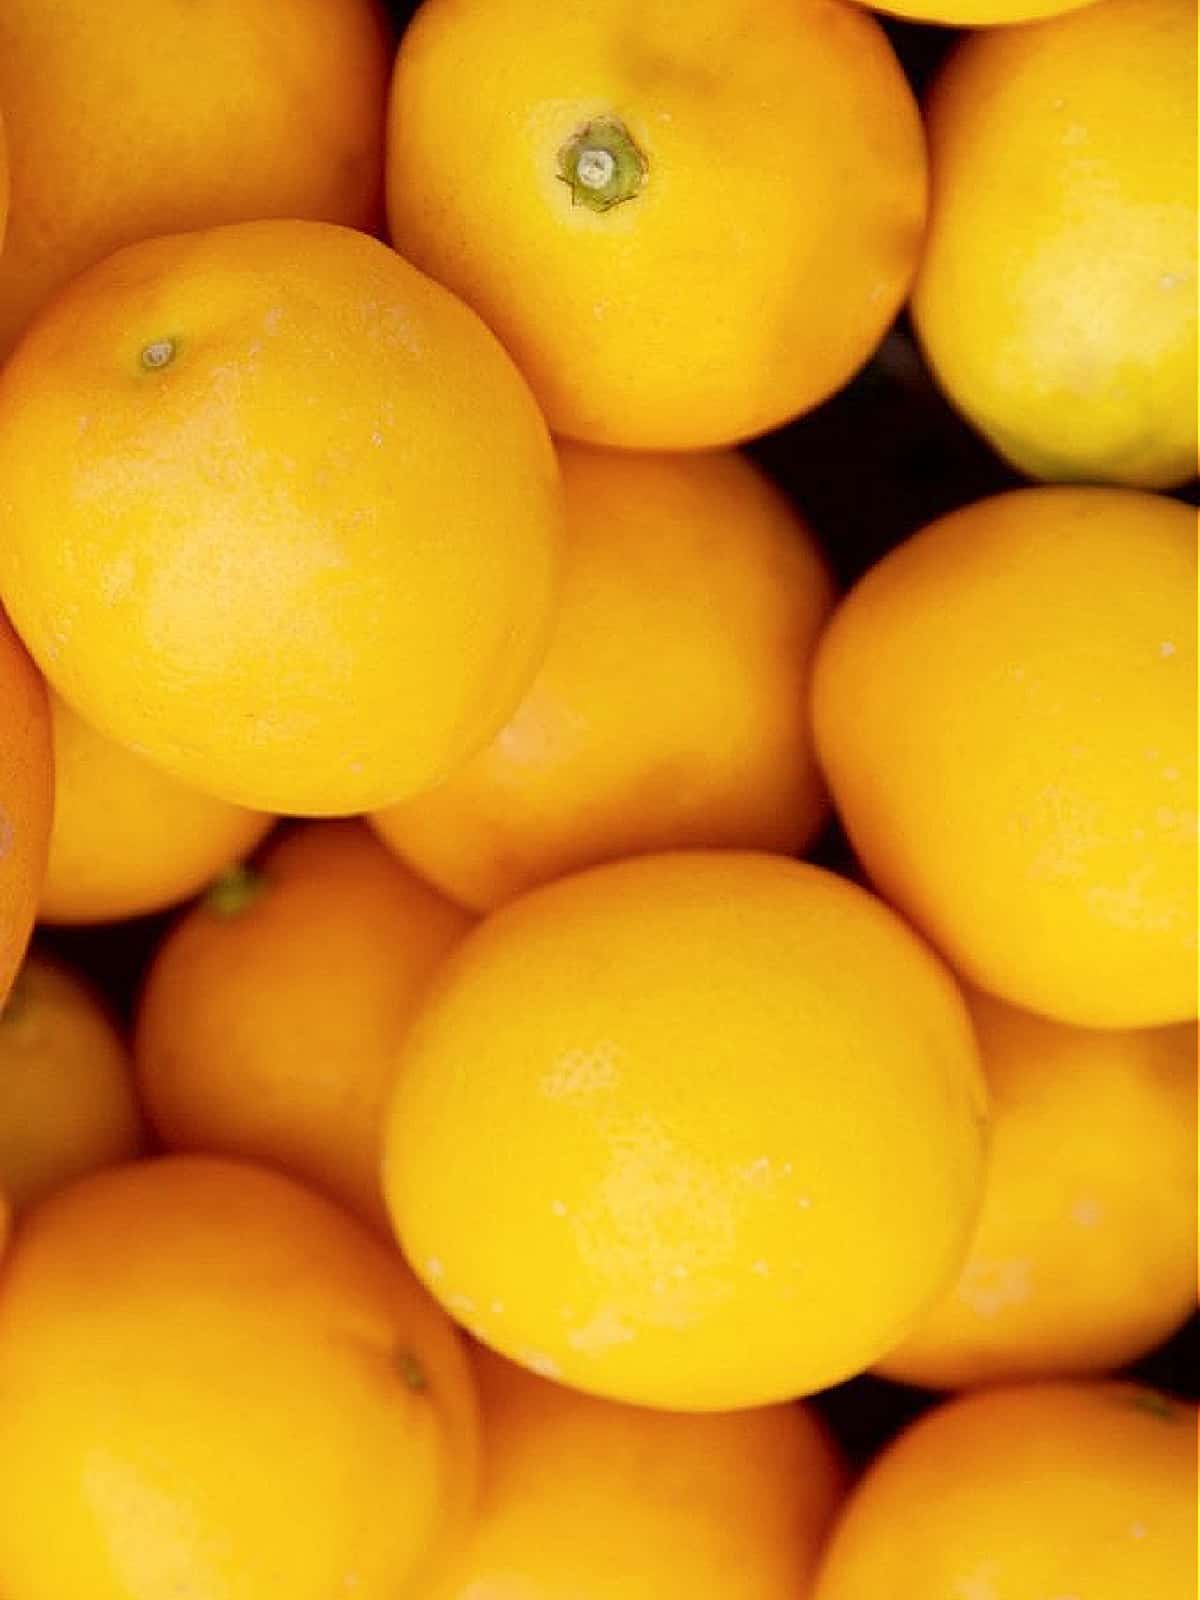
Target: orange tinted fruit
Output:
[(273, 1012), (326, 567), (1056, 298), (26, 798), (67, 1102), (586, 1500), (1005, 708), (1085, 1252), (672, 707), (151, 117), (654, 1119), (218, 1384), (1041, 1490), (687, 222), (127, 838)]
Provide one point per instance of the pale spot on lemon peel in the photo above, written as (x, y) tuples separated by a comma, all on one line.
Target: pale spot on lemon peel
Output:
[(496, 1307), (558, 1208), (606, 1329), (757, 1172), (461, 1304), (1137, 1530), (804, 1201), (761, 1268), (1087, 1213), (988, 1286), (545, 1366), (435, 1269), (1167, 648), (580, 1072)]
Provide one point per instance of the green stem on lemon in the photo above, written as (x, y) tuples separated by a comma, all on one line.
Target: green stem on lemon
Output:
[(602, 165), (234, 891)]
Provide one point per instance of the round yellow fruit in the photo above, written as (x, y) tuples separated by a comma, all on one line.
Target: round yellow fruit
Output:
[(688, 220), (586, 1500), (272, 1012), (671, 709), (1055, 1490), (67, 1100), (130, 121), (1056, 298), (976, 13), (126, 838), (327, 558), (1005, 708), (654, 1121), (216, 1384), (1084, 1256)]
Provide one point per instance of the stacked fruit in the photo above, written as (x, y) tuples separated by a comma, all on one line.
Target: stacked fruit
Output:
[(671, 988)]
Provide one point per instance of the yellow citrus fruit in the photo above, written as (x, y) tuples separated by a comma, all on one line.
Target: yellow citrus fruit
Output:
[(215, 1383), (272, 1013), (127, 838), (328, 555), (687, 221), (26, 798), (67, 1101), (976, 13), (1085, 1252), (127, 122), (671, 709), (1056, 299), (1005, 708), (582, 1499), (1038, 1490), (654, 1120)]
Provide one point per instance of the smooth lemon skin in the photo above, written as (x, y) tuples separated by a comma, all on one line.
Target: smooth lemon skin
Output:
[(148, 118), (127, 839), (1056, 298), (271, 1013), (655, 1119), (1032, 1489), (672, 707), (26, 798), (67, 1101), (1084, 1256), (582, 1499), (280, 515), (215, 1382), (1005, 709), (763, 248), (977, 13)]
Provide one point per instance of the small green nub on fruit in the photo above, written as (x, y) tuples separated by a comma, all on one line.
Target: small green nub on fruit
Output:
[(231, 893), (602, 165)]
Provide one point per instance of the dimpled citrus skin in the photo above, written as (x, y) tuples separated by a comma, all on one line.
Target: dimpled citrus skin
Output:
[(1056, 298), (26, 798), (1005, 708), (156, 117), (586, 1500), (67, 1101), (1084, 1256), (272, 1012), (217, 1384), (126, 838), (1051, 1490), (671, 709), (655, 1120), (761, 260), (305, 559)]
